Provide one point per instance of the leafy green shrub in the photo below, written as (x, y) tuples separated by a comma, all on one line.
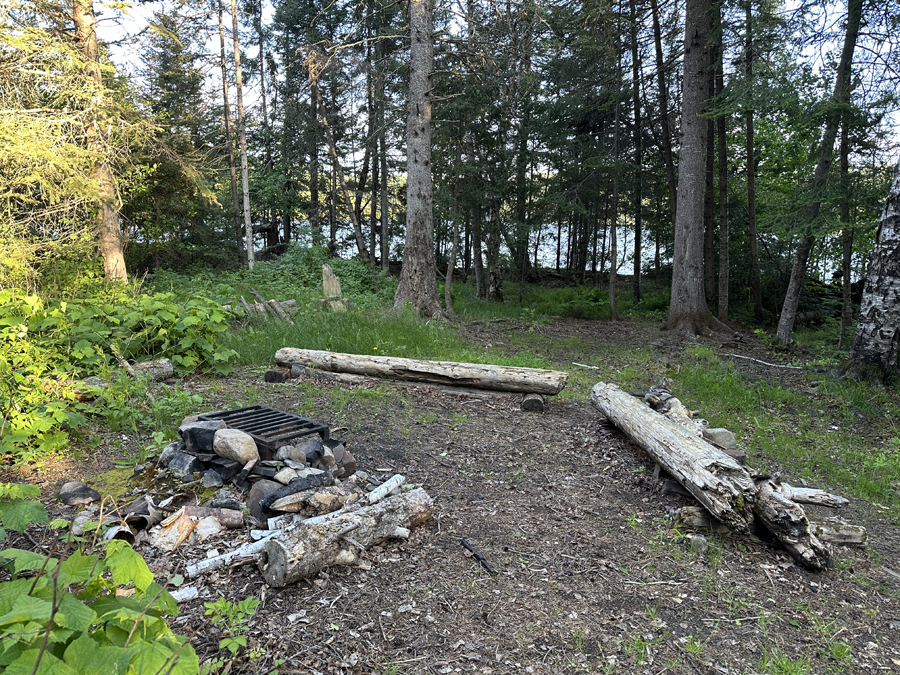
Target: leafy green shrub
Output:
[(44, 346), (68, 617)]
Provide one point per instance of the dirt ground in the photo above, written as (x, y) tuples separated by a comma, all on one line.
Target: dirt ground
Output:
[(590, 575)]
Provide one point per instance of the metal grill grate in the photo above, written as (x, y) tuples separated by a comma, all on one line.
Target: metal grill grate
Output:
[(270, 428)]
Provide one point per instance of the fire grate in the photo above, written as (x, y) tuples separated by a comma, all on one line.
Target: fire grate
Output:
[(270, 428)]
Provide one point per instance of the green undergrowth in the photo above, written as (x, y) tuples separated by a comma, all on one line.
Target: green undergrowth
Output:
[(384, 333), (47, 345), (842, 433)]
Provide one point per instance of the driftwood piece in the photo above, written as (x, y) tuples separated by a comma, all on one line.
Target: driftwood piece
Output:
[(716, 480), (303, 550), (787, 520), (247, 308), (479, 376), (262, 304)]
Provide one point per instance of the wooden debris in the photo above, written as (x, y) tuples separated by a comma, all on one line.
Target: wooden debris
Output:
[(480, 558), (479, 376), (303, 550), (533, 403), (838, 531), (246, 551), (727, 490), (716, 480)]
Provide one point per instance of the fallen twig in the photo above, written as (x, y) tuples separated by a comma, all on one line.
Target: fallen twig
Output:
[(765, 363), (480, 558)]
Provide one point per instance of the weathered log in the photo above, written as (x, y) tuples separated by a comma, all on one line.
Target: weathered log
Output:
[(716, 480), (812, 496), (303, 550), (280, 311), (247, 550), (479, 376), (297, 485), (787, 520), (159, 369), (839, 531), (250, 312), (533, 403)]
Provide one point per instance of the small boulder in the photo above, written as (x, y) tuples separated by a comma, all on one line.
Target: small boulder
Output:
[(235, 445), (311, 447), (285, 476), (75, 493), (721, 437), (199, 436), (169, 451), (327, 459), (226, 468), (273, 377), (183, 465), (292, 453)]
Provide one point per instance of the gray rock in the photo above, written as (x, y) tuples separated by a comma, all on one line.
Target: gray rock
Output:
[(720, 436), (699, 544), (226, 468), (169, 451), (182, 464), (311, 446), (75, 493), (327, 459), (199, 435), (260, 490), (235, 445), (292, 453), (212, 479), (346, 467)]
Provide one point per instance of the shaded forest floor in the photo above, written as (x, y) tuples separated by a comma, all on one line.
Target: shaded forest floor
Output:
[(590, 576)]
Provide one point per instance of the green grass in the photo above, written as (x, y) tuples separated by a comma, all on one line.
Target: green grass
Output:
[(796, 429)]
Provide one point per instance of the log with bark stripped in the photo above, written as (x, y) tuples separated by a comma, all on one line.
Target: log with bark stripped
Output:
[(716, 480), (476, 375), (303, 550)]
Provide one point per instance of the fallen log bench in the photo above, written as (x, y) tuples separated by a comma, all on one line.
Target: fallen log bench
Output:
[(475, 375), (728, 491)]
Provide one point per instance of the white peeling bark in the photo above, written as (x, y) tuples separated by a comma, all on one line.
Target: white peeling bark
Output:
[(875, 354)]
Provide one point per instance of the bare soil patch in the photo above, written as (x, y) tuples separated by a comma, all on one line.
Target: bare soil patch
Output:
[(590, 576)]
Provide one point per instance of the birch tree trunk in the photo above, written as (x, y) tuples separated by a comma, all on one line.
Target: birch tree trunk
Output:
[(242, 136), (418, 276), (109, 232), (875, 354)]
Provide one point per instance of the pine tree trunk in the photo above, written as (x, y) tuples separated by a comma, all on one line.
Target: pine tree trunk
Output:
[(840, 97), (722, 137), (846, 234), (229, 132), (875, 355), (242, 137), (315, 222), (418, 276), (755, 285), (109, 231), (638, 155), (666, 140), (688, 310)]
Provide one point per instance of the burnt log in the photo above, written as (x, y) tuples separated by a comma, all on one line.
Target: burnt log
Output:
[(302, 550), (297, 485), (476, 375)]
